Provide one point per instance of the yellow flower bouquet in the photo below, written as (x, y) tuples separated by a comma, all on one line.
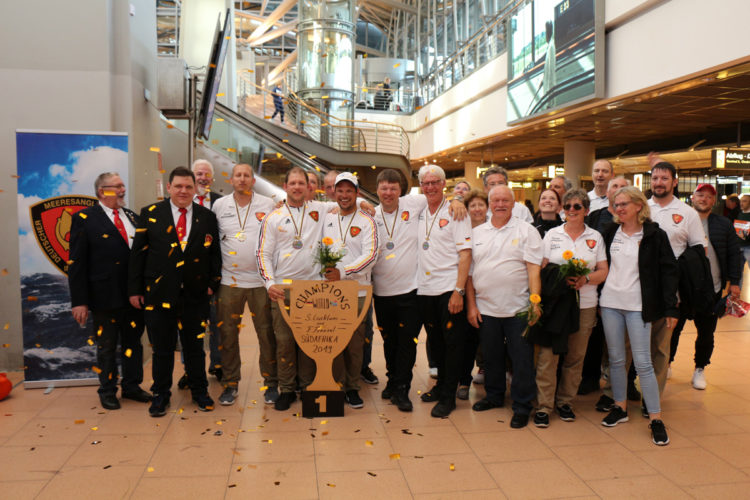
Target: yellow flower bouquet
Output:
[(573, 267), (532, 313)]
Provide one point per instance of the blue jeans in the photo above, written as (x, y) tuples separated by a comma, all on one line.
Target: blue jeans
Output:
[(615, 323), (497, 335)]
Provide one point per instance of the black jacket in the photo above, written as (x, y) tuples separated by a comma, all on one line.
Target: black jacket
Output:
[(560, 312), (543, 225), (724, 239), (98, 272), (658, 271), (595, 220), (164, 273)]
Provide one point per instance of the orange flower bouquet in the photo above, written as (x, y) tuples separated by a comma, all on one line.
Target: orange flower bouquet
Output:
[(327, 256), (573, 267)]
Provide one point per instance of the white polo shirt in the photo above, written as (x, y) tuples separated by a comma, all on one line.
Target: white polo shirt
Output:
[(499, 274), (278, 260), (437, 265), (356, 234), (238, 233), (596, 202), (681, 223), (395, 271), (589, 246), (622, 290)]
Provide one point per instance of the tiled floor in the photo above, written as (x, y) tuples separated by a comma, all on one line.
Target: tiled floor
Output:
[(63, 445)]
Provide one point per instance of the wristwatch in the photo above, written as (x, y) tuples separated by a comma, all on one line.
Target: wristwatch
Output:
[(587, 278), (460, 291)]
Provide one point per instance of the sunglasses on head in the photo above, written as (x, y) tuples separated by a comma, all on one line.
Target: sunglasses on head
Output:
[(574, 206)]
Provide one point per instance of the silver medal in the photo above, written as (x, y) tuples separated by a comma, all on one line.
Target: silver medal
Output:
[(389, 245), (297, 244), (426, 245)]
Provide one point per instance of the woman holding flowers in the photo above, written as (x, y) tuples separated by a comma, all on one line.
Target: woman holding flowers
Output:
[(579, 251), (641, 287)]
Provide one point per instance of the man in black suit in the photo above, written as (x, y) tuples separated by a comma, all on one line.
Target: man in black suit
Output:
[(100, 239), (175, 267)]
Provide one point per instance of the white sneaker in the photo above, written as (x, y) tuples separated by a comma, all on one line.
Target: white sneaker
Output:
[(479, 377), (669, 371), (433, 372), (699, 379)]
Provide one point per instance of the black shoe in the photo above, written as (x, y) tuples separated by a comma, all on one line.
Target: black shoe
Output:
[(616, 416), (588, 386), (139, 395), (109, 402), (204, 402), (519, 421), (541, 419), (401, 400), (431, 396), (228, 396), (659, 433), (285, 400), (158, 406), (605, 404), (183, 382), (443, 408), (566, 413), (387, 392), (352, 397), (368, 376), (633, 394), (485, 404)]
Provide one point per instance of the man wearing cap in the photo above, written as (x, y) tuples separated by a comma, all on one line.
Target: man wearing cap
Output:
[(287, 244), (444, 258), (601, 173), (684, 229), (724, 256), (352, 231), (239, 217)]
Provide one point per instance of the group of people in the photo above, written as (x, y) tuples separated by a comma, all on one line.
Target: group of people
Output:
[(485, 287)]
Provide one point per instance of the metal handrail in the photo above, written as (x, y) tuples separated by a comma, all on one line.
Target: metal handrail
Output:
[(478, 50), (339, 133)]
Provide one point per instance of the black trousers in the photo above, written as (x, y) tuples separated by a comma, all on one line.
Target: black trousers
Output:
[(446, 333), (592, 362), (398, 318), (164, 326), (119, 327), (705, 324), (470, 355)]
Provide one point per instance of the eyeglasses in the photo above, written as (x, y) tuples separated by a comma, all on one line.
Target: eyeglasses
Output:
[(431, 183), (574, 206), (622, 205)]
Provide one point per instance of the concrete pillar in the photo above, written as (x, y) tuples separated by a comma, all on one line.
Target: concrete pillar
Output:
[(470, 174), (579, 158), (325, 62)]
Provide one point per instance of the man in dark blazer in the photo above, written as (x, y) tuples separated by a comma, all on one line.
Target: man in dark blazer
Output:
[(100, 240), (175, 267)]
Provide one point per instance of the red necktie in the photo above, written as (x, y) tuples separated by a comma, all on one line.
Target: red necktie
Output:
[(182, 224), (120, 226), (201, 198)]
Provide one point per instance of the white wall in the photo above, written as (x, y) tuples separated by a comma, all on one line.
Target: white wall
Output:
[(77, 66), (650, 42)]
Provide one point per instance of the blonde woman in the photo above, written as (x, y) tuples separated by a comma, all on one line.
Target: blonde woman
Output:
[(641, 287)]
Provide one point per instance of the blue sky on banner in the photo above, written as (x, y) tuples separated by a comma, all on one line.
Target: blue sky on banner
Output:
[(58, 164)]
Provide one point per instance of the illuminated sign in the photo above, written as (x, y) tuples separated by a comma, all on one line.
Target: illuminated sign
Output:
[(730, 158)]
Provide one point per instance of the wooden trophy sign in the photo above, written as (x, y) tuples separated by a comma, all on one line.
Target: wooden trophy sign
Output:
[(323, 316)]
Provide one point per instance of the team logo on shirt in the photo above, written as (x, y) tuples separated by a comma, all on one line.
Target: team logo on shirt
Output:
[(591, 243), (260, 215), (354, 230), (314, 215), (677, 218), (208, 240), (405, 215), (443, 222)]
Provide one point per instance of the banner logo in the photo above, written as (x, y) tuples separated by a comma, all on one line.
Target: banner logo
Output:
[(51, 220)]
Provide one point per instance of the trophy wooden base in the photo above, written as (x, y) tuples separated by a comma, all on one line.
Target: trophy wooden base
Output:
[(322, 404)]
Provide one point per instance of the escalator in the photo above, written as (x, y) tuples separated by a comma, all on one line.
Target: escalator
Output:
[(271, 150)]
